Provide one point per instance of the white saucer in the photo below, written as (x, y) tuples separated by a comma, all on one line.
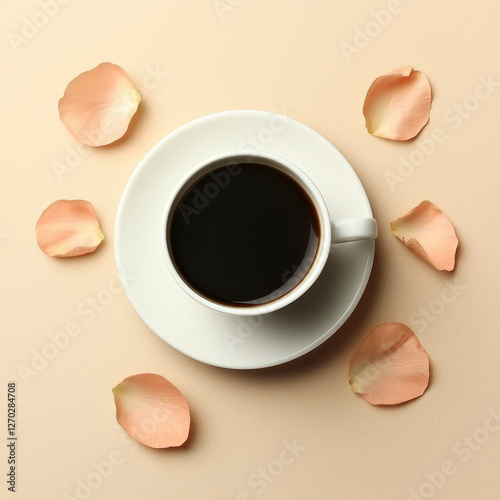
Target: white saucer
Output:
[(209, 336)]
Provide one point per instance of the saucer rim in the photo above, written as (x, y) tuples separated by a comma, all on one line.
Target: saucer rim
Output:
[(189, 128)]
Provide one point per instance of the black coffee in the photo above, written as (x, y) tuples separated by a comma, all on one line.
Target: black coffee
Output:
[(244, 234)]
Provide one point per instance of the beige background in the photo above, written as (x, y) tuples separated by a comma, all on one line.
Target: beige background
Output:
[(283, 56)]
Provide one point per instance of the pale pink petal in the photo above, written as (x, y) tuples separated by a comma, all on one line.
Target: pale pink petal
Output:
[(397, 105), (152, 410), (430, 234), (68, 228), (98, 105), (390, 366)]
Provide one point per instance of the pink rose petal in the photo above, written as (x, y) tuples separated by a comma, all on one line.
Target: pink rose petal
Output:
[(68, 228), (390, 366), (98, 105), (397, 105), (430, 234), (152, 411)]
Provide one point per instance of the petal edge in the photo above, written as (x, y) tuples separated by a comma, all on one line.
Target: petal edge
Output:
[(427, 231), (397, 105), (390, 366), (98, 105), (152, 410)]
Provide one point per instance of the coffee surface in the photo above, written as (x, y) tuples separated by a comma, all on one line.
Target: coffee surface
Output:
[(242, 232)]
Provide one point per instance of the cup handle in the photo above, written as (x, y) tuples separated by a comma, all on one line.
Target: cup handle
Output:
[(344, 230)]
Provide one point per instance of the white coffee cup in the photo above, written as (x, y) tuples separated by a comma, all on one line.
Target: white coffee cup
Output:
[(332, 231)]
